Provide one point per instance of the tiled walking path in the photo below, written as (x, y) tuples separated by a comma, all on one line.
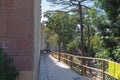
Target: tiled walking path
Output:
[(51, 69)]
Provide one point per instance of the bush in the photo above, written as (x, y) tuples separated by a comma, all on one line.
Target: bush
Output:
[(116, 54), (7, 70), (103, 54), (71, 47)]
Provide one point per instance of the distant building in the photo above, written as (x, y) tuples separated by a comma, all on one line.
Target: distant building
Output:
[(20, 35), (43, 38)]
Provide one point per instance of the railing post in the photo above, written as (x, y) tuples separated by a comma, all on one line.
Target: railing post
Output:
[(52, 54), (64, 58), (71, 59), (103, 70), (59, 55), (83, 68)]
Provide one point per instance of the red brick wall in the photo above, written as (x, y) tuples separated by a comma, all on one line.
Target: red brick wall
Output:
[(16, 31)]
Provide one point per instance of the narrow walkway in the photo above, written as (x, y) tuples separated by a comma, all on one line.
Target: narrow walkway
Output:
[(51, 69)]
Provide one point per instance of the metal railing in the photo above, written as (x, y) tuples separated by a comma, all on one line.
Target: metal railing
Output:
[(94, 68)]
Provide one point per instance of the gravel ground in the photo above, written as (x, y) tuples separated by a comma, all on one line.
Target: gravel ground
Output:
[(52, 69)]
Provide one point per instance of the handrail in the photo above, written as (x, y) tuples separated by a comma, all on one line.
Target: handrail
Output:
[(64, 57), (91, 58)]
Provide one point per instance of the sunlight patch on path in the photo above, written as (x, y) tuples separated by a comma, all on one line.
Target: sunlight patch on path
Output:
[(60, 64)]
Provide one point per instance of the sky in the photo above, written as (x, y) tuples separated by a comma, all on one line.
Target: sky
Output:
[(46, 6)]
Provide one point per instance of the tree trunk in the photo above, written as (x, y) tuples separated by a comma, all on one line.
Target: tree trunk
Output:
[(89, 52)]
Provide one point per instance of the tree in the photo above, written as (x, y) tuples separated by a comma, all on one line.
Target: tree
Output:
[(71, 47), (112, 9), (78, 7), (109, 26), (104, 27), (64, 25), (89, 21)]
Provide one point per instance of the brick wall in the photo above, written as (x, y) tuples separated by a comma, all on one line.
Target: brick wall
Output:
[(16, 34)]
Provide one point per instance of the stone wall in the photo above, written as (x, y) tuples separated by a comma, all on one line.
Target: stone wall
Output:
[(16, 34)]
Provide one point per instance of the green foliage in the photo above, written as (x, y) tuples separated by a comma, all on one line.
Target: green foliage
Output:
[(47, 31), (92, 40), (103, 54), (111, 7), (108, 26), (96, 44), (116, 54), (71, 46), (101, 29), (64, 25), (110, 42), (7, 71), (53, 40)]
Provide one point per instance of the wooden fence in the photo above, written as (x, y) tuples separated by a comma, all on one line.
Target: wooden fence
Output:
[(94, 68)]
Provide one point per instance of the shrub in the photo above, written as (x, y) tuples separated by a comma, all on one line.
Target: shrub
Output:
[(7, 70), (103, 54), (116, 54), (71, 47)]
